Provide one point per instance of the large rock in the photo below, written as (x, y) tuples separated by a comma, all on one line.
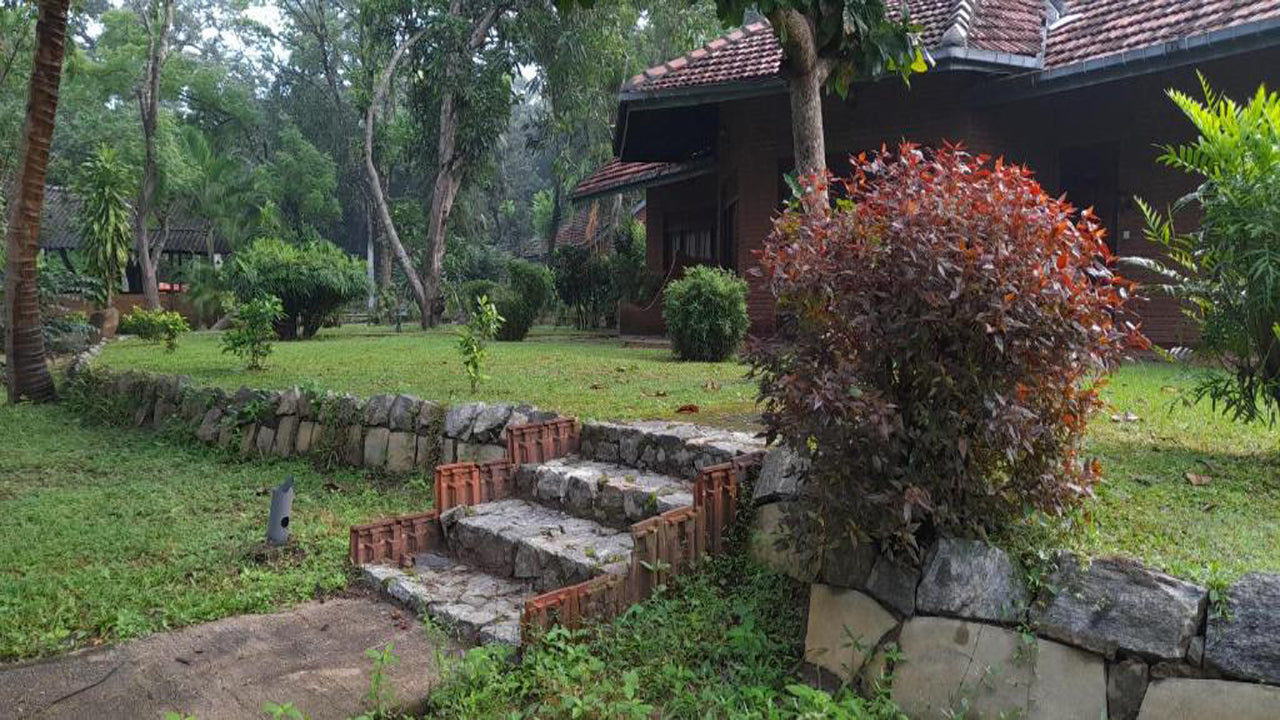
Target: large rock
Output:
[(1117, 604), (846, 566), (782, 473), (1126, 686), (210, 425), (894, 583), (475, 452), (306, 437), (403, 414), (289, 400), (953, 668), (972, 580), (430, 418), (489, 423), (377, 410), (458, 420), (786, 558), (286, 436), (1205, 699), (844, 629), (1245, 641)]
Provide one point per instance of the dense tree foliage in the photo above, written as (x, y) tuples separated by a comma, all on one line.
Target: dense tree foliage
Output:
[(942, 336), (312, 280)]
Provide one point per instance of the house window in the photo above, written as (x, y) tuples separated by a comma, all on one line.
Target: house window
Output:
[(689, 241)]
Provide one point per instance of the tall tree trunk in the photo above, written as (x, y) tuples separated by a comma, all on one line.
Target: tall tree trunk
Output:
[(806, 73), (449, 174), (158, 21), (28, 374), (374, 287), (375, 183)]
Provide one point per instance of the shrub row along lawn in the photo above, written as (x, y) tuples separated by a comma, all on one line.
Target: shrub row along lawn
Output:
[(1150, 439), (110, 533)]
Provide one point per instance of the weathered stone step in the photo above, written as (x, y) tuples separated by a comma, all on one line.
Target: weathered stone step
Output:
[(527, 541), (480, 607), (678, 449), (612, 494)]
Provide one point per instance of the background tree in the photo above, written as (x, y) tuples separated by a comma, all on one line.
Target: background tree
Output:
[(28, 375)]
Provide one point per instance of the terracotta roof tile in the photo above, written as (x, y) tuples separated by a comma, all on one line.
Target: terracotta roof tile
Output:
[(616, 174), (1093, 29)]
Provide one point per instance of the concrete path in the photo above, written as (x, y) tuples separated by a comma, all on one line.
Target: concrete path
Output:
[(312, 656)]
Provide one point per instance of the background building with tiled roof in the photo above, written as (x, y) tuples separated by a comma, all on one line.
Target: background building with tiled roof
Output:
[(1072, 88)]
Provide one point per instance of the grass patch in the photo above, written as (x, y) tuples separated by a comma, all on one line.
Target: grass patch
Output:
[(576, 373), (725, 643), (111, 533)]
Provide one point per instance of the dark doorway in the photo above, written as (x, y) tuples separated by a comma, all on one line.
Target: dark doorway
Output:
[(1090, 177)]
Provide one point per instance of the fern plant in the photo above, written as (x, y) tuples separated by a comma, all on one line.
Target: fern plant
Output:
[(1227, 271)]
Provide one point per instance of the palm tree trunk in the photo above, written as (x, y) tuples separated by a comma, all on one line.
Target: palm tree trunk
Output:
[(28, 374)]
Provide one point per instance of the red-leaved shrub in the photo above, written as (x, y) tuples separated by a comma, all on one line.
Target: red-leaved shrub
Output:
[(942, 335)]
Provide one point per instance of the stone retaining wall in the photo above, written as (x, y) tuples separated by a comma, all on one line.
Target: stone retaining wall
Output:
[(397, 434), (964, 635)]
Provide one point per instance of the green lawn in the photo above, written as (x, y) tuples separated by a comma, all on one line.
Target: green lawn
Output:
[(109, 533), (575, 373), (1146, 507)]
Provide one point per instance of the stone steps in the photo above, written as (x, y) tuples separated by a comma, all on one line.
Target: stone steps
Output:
[(671, 448), (478, 606), (545, 546), (608, 493)]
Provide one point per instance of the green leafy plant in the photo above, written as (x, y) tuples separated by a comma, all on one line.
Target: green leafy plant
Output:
[(283, 711), (1228, 270), (474, 337), (252, 329), (312, 280), (155, 326), (380, 696), (529, 290), (105, 219), (706, 314), (943, 334)]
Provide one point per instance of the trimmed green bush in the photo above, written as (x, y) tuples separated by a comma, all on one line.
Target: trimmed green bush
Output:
[(155, 326), (706, 314), (313, 281), (529, 290)]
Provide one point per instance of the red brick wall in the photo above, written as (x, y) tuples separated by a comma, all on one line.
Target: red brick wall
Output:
[(755, 143)]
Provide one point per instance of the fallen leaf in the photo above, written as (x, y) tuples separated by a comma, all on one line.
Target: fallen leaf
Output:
[(711, 384), (1209, 507), (1198, 480), (687, 409), (660, 393), (332, 486), (1128, 417)]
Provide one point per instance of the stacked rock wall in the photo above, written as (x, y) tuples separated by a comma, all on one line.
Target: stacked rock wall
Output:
[(397, 434), (965, 634)]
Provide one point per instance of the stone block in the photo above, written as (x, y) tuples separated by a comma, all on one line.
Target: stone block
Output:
[(893, 583), (248, 440), (971, 580), (266, 440), (1245, 641), (1203, 699), (289, 400), (306, 437), (1117, 604), (490, 421), (844, 629), (955, 668), (474, 452), (210, 426), (402, 450), (782, 473), (286, 436), (1126, 686), (375, 447), (848, 567), (765, 550), (458, 420), (430, 418), (353, 446)]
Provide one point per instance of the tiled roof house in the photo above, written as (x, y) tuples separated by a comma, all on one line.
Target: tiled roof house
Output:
[(1073, 88)]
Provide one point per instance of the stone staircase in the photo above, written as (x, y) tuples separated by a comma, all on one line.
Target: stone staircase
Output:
[(575, 515)]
